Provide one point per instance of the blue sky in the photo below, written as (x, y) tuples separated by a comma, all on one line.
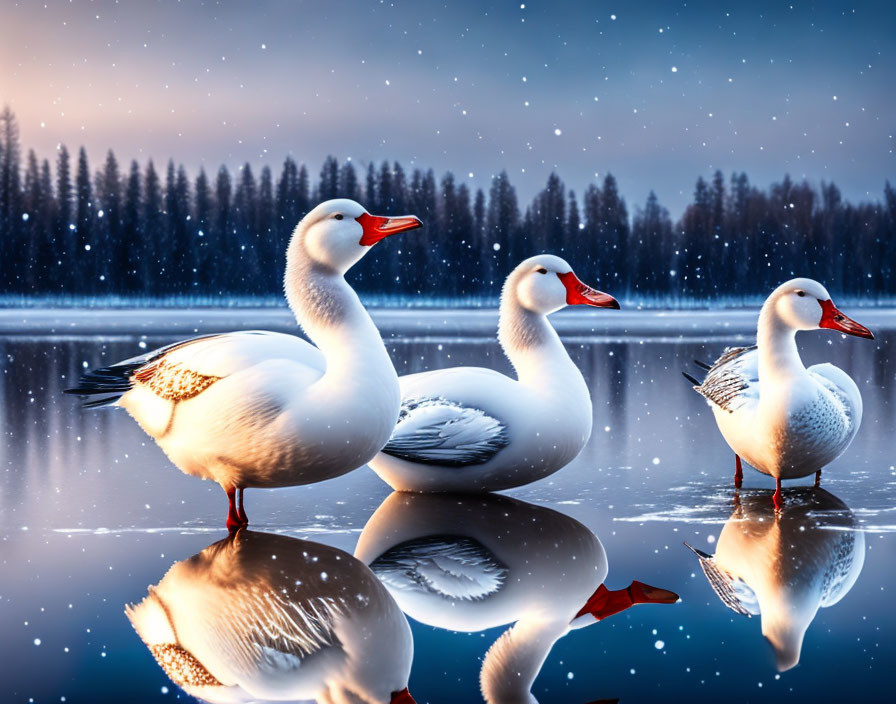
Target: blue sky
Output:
[(657, 93)]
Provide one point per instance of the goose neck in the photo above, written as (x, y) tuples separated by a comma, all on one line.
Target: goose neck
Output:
[(514, 660), (779, 357), (534, 347), (330, 313)]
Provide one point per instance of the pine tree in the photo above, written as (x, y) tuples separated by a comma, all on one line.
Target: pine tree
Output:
[(370, 195), (467, 280), (48, 246), (222, 232), (84, 264), (502, 224), (592, 246), (30, 227), (268, 244), (110, 277), (348, 182), (203, 216), (302, 196), (328, 186), (152, 261), (131, 247), (184, 272), (384, 189), (245, 202), (10, 199), (614, 231), (66, 237), (399, 190)]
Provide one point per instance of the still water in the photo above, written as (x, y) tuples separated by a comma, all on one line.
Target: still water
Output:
[(92, 513)]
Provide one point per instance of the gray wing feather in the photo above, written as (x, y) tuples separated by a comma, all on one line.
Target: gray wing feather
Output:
[(839, 568), (117, 378), (438, 431), (450, 566), (733, 592), (268, 627), (731, 380)]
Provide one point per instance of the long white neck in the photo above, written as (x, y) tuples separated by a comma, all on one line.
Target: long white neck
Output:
[(331, 314), (513, 662), (779, 359), (785, 618), (534, 347)]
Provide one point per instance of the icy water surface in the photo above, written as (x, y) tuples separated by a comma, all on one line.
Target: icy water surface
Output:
[(92, 513)]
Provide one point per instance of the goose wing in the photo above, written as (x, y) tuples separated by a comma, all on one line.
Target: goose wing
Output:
[(454, 567), (185, 369), (266, 630), (733, 380), (444, 432), (842, 569), (843, 390), (733, 591)]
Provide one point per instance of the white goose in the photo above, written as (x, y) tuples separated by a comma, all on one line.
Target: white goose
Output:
[(785, 566), (474, 429), (470, 563), (263, 618), (783, 419), (262, 409)]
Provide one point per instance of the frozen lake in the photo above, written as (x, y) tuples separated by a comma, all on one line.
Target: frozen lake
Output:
[(92, 512)]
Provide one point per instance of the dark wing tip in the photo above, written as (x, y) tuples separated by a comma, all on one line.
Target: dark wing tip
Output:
[(690, 379), (703, 365), (699, 553)]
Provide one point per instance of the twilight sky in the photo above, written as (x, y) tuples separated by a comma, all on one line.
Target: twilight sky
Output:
[(656, 92)]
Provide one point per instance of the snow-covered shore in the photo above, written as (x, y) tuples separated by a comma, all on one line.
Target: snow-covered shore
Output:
[(394, 322)]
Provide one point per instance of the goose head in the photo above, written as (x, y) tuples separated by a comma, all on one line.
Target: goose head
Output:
[(804, 304), (545, 283), (337, 233)]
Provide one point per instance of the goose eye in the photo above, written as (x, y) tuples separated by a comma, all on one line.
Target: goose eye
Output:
[(800, 293), (541, 270), (337, 216)]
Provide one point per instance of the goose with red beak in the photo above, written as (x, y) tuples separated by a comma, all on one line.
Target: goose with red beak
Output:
[(472, 429), (785, 420), (476, 563), (257, 409)]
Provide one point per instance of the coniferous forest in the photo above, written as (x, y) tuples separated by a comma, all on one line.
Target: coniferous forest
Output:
[(70, 228)]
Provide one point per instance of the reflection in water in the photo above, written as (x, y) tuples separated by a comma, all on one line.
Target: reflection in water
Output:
[(63, 470), (784, 567), (467, 563), (261, 617)]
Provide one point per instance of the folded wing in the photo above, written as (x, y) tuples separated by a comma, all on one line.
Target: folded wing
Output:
[(182, 370), (454, 567), (443, 432), (733, 380)]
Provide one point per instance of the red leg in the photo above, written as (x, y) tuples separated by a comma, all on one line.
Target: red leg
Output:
[(244, 519), (233, 517), (776, 497), (738, 472), (818, 479)]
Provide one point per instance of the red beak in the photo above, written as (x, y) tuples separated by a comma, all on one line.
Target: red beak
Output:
[(604, 602), (578, 293), (835, 320), (377, 227), (402, 697)]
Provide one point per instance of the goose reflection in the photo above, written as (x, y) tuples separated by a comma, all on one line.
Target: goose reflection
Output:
[(784, 568), (466, 563), (260, 618)]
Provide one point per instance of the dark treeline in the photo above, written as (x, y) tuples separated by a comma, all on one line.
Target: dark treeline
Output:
[(150, 230)]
